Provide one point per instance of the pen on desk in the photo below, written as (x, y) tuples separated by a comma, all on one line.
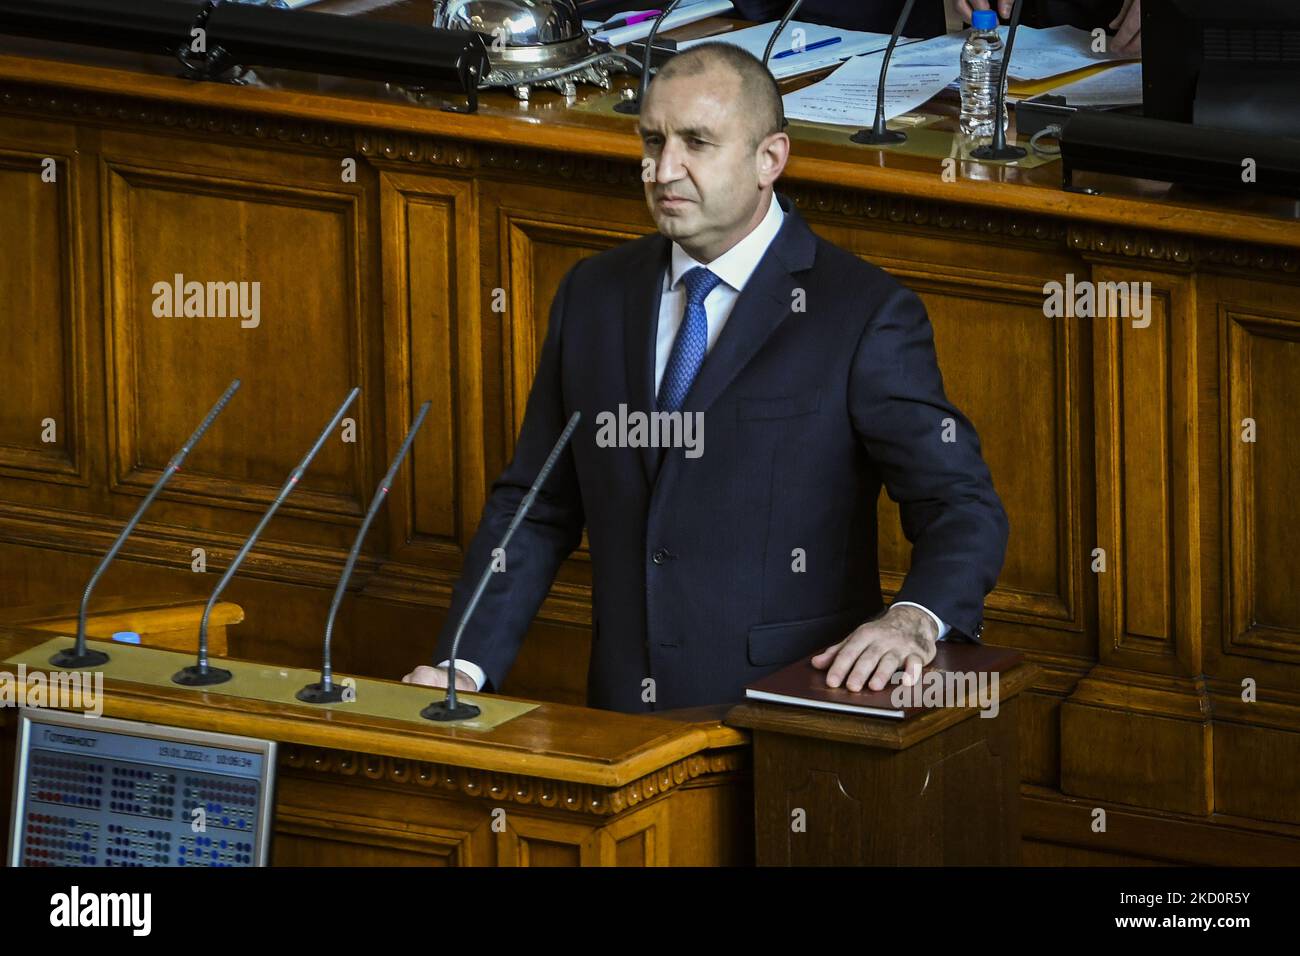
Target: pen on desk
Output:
[(630, 21), (811, 46)]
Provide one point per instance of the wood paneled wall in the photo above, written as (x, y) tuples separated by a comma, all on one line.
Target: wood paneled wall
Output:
[(1099, 435)]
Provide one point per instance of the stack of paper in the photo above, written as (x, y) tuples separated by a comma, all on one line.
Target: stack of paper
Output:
[(1051, 52), (1117, 86), (802, 47), (848, 96), (686, 13), (1037, 54)]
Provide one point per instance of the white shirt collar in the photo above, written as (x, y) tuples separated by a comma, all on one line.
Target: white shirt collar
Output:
[(737, 264)]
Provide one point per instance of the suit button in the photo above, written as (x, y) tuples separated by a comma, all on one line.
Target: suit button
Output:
[(660, 556)]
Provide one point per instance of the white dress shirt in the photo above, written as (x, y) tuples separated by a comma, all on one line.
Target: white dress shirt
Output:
[(733, 267)]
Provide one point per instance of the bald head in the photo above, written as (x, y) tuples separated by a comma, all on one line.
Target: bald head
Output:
[(758, 97)]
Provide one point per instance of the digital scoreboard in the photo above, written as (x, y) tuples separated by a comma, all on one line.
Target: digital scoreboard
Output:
[(95, 791)]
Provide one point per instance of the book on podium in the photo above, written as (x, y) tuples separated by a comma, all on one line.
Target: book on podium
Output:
[(960, 675)]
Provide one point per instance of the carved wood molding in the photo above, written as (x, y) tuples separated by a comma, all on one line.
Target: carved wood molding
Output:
[(377, 145), (564, 166), (856, 205), (1177, 250), (512, 787), (909, 211), (112, 108)]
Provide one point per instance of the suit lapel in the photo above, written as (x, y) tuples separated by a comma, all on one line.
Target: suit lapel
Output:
[(759, 309), (761, 306), (641, 295)]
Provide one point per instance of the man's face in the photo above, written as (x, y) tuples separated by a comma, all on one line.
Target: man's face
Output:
[(704, 183)]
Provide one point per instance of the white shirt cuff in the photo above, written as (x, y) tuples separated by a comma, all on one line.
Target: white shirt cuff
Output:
[(943, 628), (474, 672)]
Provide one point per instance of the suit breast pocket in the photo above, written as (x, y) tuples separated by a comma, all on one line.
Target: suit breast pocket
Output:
[(785, 406)]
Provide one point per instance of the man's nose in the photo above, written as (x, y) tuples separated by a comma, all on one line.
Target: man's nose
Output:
[(669, 168)]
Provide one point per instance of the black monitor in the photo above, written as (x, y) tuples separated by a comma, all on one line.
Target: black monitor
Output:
[(1232, 66)]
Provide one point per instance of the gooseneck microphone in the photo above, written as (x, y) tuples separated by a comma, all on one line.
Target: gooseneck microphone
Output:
[(449, 708), (634, 106), (327, 692), (879, 135), (200, 674), (998, 149), (780, 28), (77, 655)]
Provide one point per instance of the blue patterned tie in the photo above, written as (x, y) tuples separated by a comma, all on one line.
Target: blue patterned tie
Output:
[(691, 343)]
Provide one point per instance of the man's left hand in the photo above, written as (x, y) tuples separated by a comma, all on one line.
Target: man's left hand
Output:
[(902, 639)]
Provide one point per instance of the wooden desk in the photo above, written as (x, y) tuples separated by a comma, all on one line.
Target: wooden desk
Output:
[(1104, 440), (557, 786), (170, 622)]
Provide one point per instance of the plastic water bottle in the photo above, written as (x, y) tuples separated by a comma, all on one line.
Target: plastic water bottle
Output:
[(981, 62)]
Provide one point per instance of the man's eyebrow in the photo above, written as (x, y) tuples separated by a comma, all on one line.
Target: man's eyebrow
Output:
[(699, 132), (690, 132)]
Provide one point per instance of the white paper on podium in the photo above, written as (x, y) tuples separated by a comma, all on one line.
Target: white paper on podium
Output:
[(1118, 86), (755, 39), (848, 96), (1039, 54), (685, 14)]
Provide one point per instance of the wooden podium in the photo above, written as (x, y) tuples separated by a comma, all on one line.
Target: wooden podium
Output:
[(557, 785), (562, 785), (939, 789)]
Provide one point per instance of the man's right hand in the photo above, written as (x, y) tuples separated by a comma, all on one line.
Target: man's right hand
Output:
[(437, 677)]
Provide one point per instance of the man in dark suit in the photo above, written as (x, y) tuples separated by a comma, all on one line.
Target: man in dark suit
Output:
[(812, 376)]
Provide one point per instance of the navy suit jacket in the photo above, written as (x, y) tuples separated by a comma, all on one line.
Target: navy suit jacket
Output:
[(695, 561)]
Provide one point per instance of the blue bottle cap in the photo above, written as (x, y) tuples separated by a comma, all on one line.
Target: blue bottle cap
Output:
[(984, 19)]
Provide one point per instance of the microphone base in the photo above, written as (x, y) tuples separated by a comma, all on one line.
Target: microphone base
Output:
[(628, 107), (70, 659), (999, 155), (317, 694), (869, 137), (193, 676), (441, 711)]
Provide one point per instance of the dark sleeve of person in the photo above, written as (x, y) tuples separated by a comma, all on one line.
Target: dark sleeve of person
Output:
[(950, 512), (550, 532)]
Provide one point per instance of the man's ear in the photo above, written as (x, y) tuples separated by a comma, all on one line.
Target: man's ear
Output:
[(773, 153)]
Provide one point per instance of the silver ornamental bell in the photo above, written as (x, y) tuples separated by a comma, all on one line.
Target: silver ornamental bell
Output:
[(534, 43)]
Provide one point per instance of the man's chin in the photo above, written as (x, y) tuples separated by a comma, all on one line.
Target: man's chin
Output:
[(674, 224)]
